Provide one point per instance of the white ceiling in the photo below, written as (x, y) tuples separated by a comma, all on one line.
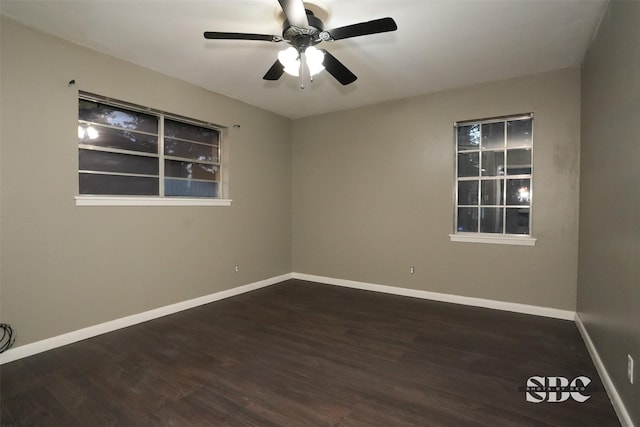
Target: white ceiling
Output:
[(439, 44)]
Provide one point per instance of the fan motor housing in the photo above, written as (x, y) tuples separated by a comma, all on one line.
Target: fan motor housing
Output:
[(303, 37)]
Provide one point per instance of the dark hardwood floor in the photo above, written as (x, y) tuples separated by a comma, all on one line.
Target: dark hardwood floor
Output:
[(304, 354)]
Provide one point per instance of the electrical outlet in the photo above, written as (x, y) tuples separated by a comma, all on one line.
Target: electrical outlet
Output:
[(237, 268), (412, 270), (630, 368)]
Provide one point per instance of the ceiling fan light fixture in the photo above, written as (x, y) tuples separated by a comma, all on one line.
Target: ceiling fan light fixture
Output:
[(314, 58), (290, 59)]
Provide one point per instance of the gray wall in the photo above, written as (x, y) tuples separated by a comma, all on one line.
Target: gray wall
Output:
[(609, 260), (66, 267), (372, 194)]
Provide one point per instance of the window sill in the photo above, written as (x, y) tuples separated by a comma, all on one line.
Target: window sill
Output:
[(148, 201), (499, 240)]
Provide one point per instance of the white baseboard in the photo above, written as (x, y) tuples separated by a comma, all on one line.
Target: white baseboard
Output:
[(102, 328), (614, 396), (435, 296)]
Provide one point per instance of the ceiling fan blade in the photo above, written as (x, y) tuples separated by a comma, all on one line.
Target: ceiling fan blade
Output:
[(295, 12), (337, 69), (215, 35), (275, 72), (381, 25)]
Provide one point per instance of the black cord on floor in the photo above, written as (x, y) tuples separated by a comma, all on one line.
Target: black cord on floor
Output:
[(8, 337)]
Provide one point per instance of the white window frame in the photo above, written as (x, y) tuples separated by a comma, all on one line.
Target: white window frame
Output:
[(491, 238), (161, 199)]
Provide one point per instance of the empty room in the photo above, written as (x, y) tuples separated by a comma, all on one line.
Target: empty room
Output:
[(324, 213)]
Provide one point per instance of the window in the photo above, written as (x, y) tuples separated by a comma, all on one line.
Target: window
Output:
[(129, 153), (493, 184)]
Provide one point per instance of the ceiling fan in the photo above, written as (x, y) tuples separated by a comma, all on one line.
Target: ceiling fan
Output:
[(303, 30)]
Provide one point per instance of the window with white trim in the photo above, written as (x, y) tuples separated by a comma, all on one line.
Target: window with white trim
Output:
[(126, 150), (494, 176)]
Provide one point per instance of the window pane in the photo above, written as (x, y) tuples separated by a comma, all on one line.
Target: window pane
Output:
[(517, 221), (101, 136), (519, 162), (468, 137), (468, 164), (118, 185), (467, 220), (92, 160), (205, 153), (519, 132), (518, 191), (493, 135), (191, 170), (186, 187), (493, 163), (174, 129), (491, 220), (491, 192), (116, 116), (468, 192)]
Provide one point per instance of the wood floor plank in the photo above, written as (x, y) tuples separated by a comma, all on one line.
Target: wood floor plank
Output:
[(305, 354)]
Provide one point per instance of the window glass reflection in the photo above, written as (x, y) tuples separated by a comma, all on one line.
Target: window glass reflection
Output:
[(189, 188), (468, 220), (492, 191), (519, 132), (191, 170), (95, 184), (189, 150), (180, 130), (468, 137), (93, 160), (468, 164), (468, 192), (491, 220), (493, 135), (518, 191), (519, 161), (116, 116), (517, 221), (493, 163), (105, 137)]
